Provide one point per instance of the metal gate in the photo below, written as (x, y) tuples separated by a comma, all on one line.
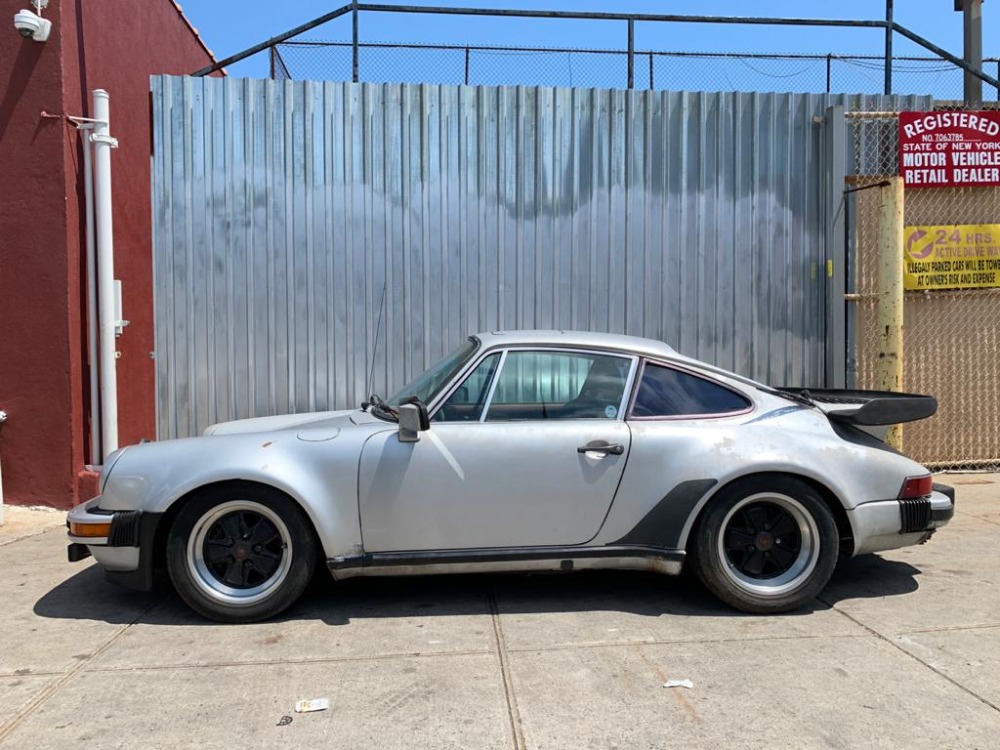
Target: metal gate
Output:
[(950, 345), (284, 209)]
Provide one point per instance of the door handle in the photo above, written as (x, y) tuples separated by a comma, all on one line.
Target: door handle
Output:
[(615, 449)]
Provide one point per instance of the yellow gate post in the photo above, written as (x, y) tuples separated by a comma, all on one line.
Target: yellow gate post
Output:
[(889, 311)]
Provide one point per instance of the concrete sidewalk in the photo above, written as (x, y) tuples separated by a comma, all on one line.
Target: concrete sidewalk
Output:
[(902, 651)]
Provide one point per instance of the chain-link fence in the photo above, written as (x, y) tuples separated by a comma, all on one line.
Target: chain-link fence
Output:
[(950, 344), (608, 68)]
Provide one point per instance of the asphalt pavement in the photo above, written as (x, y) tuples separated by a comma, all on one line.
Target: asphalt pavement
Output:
[(901, 651)]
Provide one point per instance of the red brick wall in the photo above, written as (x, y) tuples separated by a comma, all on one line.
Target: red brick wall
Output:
[(43, 381)]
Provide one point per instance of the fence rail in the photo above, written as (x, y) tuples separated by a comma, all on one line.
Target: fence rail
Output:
[(972, 70), (476, 64)]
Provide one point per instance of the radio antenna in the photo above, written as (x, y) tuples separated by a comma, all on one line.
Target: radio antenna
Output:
[(378, 328)]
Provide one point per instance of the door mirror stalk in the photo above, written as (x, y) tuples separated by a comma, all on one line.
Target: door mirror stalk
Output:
[(413, 419)]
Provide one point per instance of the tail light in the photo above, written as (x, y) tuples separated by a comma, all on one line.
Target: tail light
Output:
[(914, 487)]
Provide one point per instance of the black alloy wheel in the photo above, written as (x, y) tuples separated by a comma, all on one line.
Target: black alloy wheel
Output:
[(241, 552), (767, 543)]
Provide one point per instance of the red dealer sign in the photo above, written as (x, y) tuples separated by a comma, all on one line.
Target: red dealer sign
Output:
[(949, 149)]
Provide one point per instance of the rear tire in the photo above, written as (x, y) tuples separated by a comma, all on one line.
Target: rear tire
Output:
[(766, 544), (241, 553)]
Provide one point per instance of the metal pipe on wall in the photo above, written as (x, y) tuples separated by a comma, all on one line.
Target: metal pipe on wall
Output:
[(103, 143), (92, 366)]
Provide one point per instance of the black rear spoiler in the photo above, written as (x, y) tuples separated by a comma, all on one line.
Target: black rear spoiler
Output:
[(869, 407)]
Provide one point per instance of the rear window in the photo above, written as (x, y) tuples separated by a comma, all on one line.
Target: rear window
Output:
[(666, 392)]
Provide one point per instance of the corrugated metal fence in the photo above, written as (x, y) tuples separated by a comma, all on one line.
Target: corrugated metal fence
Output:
[(283, 209)]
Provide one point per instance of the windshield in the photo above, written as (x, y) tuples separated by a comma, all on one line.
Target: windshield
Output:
[(427, 385)]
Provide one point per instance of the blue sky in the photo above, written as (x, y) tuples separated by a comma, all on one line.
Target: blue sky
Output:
[(229, 26)]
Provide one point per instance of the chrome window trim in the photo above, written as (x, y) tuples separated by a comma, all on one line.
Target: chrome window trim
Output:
[(627, 391), (493, 385)]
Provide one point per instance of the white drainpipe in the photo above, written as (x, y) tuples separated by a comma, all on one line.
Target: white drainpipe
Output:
[(103, 143), (95, 399)]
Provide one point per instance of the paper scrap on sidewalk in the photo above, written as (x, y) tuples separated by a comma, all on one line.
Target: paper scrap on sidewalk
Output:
[(316, 704), (679, 683)]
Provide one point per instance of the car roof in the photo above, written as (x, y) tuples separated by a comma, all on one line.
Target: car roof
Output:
[(583, 339), (613, 341)]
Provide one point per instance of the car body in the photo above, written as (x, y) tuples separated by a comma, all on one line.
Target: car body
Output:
[(520, 451)]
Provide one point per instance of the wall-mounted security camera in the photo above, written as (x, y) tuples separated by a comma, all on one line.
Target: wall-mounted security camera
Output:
[(31, 25)]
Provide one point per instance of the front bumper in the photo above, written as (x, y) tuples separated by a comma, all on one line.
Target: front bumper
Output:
[(125, 551), (891, 524)]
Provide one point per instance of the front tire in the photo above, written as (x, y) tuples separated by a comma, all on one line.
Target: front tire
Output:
[(766, 544), (241, 553)]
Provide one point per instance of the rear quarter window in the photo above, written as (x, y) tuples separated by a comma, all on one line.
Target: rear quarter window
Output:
[(667, 392)]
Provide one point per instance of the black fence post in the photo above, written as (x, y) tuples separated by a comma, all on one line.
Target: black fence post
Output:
[(888, 47), (467, 66), (829, 72), (354, 41), (650, 71), (631, 53)]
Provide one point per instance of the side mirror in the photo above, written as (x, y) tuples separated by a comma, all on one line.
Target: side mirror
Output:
[(413, 419)]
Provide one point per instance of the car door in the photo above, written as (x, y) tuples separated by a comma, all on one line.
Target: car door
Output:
[(527, 451), (683, 426)]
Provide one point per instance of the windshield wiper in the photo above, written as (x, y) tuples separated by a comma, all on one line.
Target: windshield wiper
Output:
[(379, 408)]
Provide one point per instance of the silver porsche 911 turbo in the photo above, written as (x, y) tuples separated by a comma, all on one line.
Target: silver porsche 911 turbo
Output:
[(523, 451)]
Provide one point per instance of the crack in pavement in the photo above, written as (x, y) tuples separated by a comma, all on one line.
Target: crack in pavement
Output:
[(53, 687), (513, 715), (672, 642), (978, 518), (433, 654), (950, 628), (300, 661), (430, 654), (915, 658), (29, 535)]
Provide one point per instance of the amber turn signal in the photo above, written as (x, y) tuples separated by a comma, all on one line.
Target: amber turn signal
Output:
[(92, 530)]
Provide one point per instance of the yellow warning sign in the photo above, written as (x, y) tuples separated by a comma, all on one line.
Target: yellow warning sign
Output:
[(952, 256)]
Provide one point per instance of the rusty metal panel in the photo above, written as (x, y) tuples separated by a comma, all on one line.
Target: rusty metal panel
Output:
[(283, 209)]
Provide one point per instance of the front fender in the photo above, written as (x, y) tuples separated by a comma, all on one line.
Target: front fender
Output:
[(320, 476)]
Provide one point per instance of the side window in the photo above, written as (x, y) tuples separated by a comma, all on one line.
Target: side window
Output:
[(559, 385), (665, 392), (466, 403)]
